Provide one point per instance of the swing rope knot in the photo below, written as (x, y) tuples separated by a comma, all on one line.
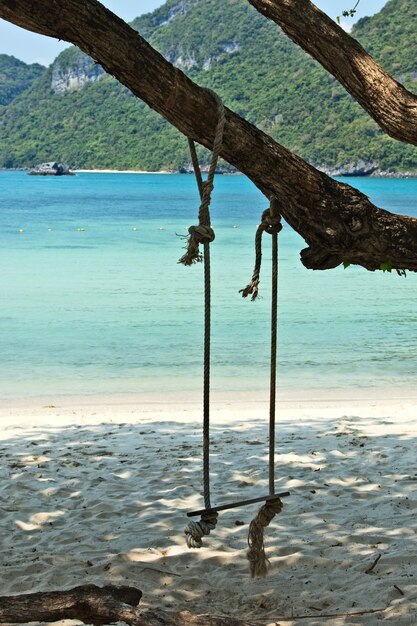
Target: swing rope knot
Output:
[(203, 233), (197, 234), (258, 562), (271, 224), (195, 531)]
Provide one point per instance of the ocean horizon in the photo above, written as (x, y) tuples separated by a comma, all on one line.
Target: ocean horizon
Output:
[(95, 302)]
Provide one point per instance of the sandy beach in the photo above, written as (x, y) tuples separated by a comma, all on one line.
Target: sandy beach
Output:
[(119, 172), (97, 492)]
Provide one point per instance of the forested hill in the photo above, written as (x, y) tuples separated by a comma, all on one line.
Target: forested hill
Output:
[(75, 113), (15, 77)]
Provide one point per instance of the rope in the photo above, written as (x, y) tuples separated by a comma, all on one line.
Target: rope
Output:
[(271, 224), (258, 563), (274, 228), (195, 531), (204, 234)]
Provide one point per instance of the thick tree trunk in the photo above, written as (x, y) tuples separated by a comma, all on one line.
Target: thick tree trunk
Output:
[(98, 606), (338, 222), (389, 103)]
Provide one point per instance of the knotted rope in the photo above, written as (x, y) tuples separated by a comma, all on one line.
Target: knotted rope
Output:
[(195, 531), (204, 234), (258, 562), (271, 224)]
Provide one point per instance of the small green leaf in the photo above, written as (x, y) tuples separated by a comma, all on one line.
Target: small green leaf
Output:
[(346, 264), (386, 267), (349, 12)]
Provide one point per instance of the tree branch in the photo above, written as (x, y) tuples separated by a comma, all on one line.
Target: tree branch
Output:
[(338, 222), (392, 106)]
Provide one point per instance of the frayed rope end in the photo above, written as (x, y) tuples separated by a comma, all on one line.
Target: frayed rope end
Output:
[(197, 234), (258, 562), (251, 289)]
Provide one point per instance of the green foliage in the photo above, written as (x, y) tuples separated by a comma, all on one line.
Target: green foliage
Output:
[(94, 127), (349, 12), (15, 77), (386, 267), (68, 58), (390, 36), (228, 46)]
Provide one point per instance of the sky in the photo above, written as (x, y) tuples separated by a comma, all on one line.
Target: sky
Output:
[(33, 48)]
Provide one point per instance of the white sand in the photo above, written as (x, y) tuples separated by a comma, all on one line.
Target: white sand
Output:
[(120, 172), (96, 493)]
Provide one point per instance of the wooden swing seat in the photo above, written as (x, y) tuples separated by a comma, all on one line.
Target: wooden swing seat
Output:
[(235, 505)]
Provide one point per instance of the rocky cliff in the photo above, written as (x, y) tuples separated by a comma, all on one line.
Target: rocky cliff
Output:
[(71, 72)]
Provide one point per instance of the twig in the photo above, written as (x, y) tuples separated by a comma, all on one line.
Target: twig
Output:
[(160, 571), (286, 618), (399, 590), (371, 567)]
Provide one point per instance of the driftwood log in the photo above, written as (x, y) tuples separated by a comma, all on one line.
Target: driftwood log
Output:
[(88, 603), (98, 606), (338, 222)]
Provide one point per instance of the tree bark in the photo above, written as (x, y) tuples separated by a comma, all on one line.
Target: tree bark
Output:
[(98, 606), (392, 106), (338, 222), (88, 603)]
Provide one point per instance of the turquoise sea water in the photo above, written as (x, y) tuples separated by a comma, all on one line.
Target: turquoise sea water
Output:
[(107, 309)]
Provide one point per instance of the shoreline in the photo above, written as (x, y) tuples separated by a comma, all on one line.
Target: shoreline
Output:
[(384, 175), (110, 171), (186, 407)]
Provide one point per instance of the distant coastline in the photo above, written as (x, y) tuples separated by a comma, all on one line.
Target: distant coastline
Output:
[(110, 171), (92, 171), (332, 172)]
